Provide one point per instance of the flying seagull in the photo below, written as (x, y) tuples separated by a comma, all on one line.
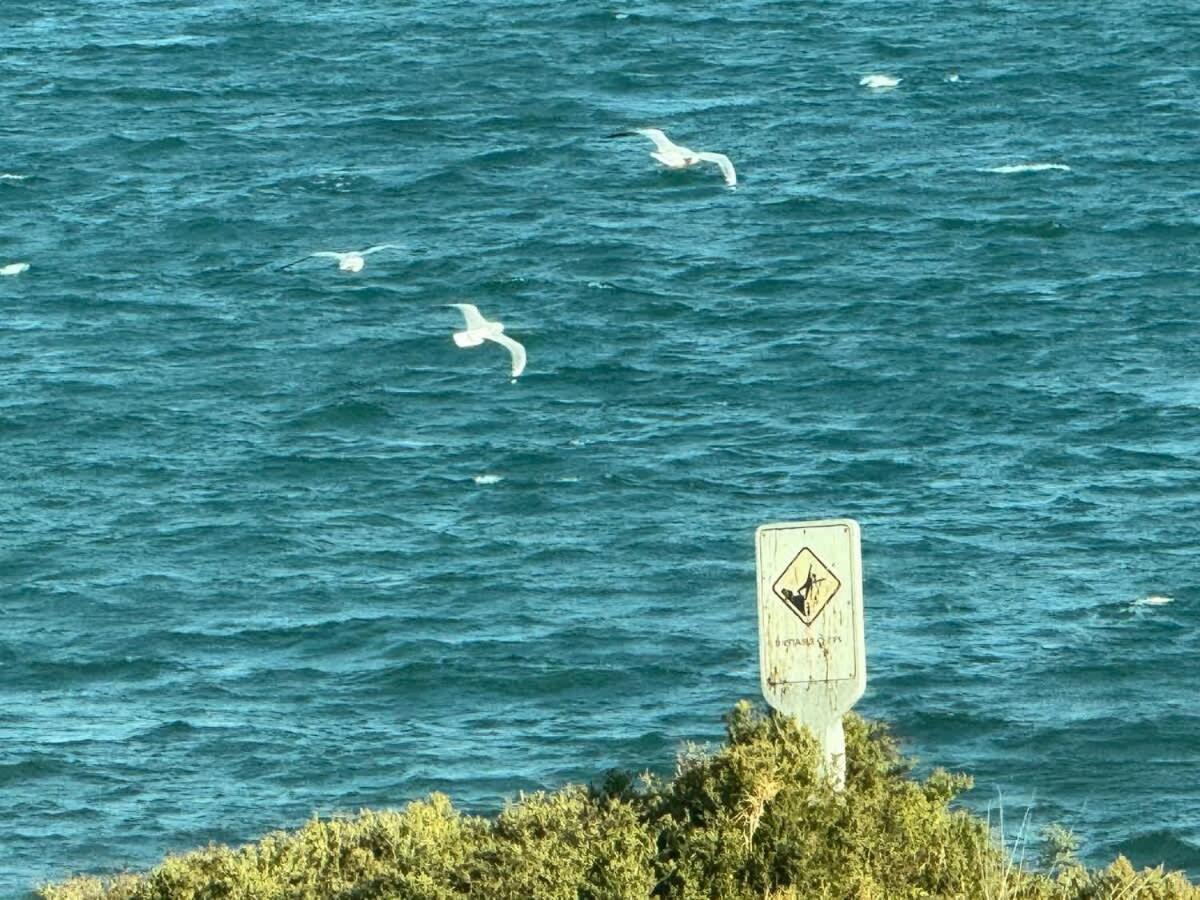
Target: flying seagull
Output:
[(348, 261), (674, 156), (480, 329), (14, 268)]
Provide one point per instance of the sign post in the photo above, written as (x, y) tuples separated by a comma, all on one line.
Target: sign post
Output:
[(811, 649)]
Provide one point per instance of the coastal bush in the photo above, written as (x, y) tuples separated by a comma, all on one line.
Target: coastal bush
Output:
[(750, 820)]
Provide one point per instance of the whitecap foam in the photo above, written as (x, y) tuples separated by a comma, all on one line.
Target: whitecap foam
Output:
[(1014, 168), (878, 82), (1153, 600), (488, 479), (9, 176)]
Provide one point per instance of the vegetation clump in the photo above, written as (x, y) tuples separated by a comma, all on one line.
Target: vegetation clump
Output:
[(752, 820)]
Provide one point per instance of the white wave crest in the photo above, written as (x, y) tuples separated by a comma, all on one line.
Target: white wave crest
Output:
[(1153, 600), (1014, 168), (488, 479), (879, 82)]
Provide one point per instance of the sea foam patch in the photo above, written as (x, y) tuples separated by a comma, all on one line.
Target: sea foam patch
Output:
[(1153, 600), (1016, 168), (879, 81)]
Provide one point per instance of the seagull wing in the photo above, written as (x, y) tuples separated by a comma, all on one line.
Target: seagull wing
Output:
[(516, 349), (378, 247), (723, 161), (662, 143), (327, 254), (472, 315)]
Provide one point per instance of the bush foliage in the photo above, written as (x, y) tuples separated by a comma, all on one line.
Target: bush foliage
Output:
[(752, 820)]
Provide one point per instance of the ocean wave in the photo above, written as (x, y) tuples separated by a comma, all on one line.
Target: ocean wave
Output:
[(33, 769), (1018, 168), (235, 493), (337, 414), (1152, 600), (1148, 847)]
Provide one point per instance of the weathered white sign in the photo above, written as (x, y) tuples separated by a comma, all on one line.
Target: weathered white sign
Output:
[(812, 653)]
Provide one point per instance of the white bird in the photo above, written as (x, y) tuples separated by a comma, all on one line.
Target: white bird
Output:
[(674, 156), (348, 261), (480, 329), (14, 268), (878, 82)]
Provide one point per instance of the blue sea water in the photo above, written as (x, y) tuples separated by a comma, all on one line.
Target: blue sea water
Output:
[(271, 545)]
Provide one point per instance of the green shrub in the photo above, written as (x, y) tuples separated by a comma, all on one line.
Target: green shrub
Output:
[(753, 820)]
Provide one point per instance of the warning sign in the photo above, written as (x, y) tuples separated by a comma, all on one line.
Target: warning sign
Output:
[(811, 648), (806, 586), (810, 611)]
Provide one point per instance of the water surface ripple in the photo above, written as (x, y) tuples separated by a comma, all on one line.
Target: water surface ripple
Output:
[(271, 545)]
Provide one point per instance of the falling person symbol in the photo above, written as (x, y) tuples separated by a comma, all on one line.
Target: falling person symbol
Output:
[(800, 597)]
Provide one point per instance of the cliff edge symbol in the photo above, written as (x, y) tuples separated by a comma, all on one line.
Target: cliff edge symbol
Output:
[(806, 586)]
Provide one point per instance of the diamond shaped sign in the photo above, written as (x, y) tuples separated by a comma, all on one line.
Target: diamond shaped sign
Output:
[(806, 586)]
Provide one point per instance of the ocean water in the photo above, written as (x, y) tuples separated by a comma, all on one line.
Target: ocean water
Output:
[(272, 545)]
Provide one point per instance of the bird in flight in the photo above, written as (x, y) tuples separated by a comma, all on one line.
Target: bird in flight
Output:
[(480, 329), (348, 261), (673, 156)]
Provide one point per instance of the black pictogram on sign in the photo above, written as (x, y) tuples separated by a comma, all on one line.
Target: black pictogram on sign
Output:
[(806, 586)]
